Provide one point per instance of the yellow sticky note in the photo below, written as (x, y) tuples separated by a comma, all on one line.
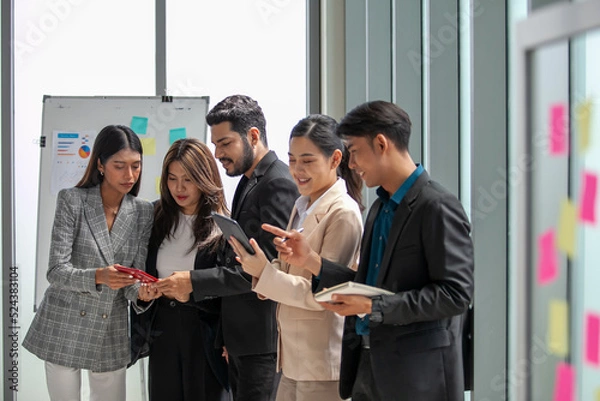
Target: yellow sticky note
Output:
[(558, 328), (583, 116), (567, 224), (597, 394), (157, 183), (149, 146)]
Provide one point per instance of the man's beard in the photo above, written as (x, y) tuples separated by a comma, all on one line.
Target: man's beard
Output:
[(244, 164)]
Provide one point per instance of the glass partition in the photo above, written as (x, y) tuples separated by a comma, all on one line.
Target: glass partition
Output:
[(585, 123), (550, 184), (563, 231)]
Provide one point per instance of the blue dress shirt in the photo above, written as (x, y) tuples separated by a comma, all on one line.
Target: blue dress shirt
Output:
[(381, 230)]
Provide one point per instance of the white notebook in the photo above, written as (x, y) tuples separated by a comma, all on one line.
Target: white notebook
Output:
[(350, 288)]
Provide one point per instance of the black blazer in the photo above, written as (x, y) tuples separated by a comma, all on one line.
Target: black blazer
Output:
[(416, 352), (248, 323), (143, 331)]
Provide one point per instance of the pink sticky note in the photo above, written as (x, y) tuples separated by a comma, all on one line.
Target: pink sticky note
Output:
[(564, 385), (548, 258), (587, 207), (559, 138), (592, 339)]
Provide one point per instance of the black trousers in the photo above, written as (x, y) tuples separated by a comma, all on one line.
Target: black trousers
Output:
[(178, 365), (364, 387), (253, 377)]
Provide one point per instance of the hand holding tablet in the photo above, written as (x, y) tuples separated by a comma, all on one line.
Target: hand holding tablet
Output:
[(231, 228)]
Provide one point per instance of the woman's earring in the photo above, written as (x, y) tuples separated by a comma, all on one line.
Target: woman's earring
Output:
[(102, 173)]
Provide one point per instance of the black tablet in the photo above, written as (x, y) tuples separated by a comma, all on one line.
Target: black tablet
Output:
[(231, 228)]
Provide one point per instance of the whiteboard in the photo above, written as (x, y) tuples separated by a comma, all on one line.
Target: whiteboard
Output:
[(76, 121)]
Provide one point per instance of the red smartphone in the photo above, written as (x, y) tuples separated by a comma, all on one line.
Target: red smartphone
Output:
[(137, 273)]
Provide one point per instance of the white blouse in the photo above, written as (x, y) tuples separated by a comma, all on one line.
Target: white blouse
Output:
[(174, 252)]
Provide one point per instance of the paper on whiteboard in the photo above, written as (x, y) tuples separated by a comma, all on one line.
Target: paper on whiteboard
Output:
[(71, 152)]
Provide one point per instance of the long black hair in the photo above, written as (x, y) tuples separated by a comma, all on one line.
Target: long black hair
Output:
[(111, 139)]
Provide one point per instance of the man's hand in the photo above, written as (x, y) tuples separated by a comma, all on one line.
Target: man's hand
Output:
[(177, 286), (348, 305), (252, 264), (293, 248), (225, 355)]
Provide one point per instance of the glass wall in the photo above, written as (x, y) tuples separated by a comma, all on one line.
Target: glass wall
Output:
[(84, 48), (554, 222), (586, 298), (549, 187), (256, 48), (564, 327)]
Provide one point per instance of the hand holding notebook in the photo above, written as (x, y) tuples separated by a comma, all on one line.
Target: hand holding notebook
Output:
[(350, 288)]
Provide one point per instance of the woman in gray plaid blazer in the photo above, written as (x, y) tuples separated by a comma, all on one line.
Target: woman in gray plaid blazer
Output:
[(82, 321)]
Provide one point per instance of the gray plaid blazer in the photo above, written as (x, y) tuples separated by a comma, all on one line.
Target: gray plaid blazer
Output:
[(80, 324)]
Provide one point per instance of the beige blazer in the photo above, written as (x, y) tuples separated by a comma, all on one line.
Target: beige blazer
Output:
[(310, 338)]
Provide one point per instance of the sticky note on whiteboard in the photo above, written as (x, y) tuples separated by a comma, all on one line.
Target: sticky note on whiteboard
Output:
[(176, 134), (148, 146), (157, 185), (139, 125)]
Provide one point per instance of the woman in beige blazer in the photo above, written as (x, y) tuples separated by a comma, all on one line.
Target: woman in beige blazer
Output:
[(82, 320), (310, 337)]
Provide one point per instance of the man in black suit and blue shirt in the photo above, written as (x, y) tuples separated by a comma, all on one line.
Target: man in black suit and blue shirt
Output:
[(417, 244), (266, 192)]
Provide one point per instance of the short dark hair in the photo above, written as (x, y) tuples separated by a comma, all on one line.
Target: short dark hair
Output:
[(111, 139), (377, 117), (242, 112)]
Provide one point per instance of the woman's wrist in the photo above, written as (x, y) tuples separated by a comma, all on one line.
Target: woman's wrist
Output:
[(99, 275), (314, 263)]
